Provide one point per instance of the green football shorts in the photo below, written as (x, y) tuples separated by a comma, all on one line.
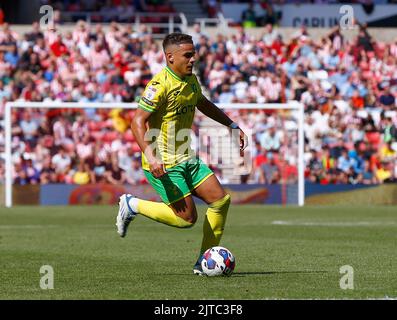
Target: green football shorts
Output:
[(180, 180)]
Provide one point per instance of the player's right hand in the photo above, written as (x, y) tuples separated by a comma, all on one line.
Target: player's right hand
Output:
[(157, 168)]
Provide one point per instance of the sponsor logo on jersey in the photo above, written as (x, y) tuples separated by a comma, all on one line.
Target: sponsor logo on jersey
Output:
[(150, 103), (182, 110)]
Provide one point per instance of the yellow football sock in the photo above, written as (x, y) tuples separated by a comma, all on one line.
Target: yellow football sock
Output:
[(214, 223), (160, 212)]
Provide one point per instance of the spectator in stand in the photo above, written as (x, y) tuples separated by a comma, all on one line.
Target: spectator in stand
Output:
[(98, 57), (134, 174), (82, 174), (385, 172), (58, 48), (270, 171), (29, 129), (140, 5), (85, 149), (270, 16), (364, 40), (216, 76), (387, 153), (315, 166), (21, 177), (113, 174), (61, 163), (5, 92), (344, 164), (225, 94), (197, 34), (387, 100), (213, 7), (28, 174), (126, 156), (126, 11), (35, 33), (270, 35), (389, 131), (80, 128), (12, 56), (98, 171), (368, 176), (356, 100), (271, 139), (61, 130), (40, 47), (248, 16), (4, 65)]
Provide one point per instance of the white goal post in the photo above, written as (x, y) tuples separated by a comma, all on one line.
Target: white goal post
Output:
[(291, 105)]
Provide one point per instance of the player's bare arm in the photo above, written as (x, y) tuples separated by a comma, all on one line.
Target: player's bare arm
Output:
[(213, 112), (139, 129)]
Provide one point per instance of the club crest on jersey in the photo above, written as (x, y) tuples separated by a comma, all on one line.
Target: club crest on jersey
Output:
[(194, 88)]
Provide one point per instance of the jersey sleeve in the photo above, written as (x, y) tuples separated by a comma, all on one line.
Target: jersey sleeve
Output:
[(153, 97)]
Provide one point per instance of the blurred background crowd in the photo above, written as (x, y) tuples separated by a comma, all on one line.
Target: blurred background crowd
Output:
[(348, 88), (123, 10)]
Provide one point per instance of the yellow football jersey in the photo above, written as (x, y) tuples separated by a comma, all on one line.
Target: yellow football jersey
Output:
[(173, 102)]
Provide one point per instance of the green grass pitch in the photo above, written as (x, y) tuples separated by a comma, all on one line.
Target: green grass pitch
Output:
[(281, 253)]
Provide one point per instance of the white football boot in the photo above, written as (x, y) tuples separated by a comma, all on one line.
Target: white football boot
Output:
[(197, 269), (125, 215)]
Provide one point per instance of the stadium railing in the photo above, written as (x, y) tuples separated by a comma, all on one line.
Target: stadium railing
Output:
[(176, 21), (221, 23)]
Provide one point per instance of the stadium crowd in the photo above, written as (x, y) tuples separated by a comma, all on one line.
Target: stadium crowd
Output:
[(348, 89)]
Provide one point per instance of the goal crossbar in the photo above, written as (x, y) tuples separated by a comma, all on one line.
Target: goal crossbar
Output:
[(291, 105)]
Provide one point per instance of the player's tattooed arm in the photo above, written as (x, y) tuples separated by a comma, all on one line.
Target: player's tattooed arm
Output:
[(212, 111)]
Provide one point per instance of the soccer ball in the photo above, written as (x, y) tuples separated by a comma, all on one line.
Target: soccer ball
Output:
[(218, 261)]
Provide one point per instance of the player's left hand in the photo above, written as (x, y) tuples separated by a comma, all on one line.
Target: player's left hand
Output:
[(243, 142)]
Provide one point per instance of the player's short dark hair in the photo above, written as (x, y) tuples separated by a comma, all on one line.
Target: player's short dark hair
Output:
[(176, 38)]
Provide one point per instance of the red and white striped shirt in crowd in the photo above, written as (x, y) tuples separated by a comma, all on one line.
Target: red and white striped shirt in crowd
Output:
[(79, 35), (393, 49), (272, 89), (50, 36)]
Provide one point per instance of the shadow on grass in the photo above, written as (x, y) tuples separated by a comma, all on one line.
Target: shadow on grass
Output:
[(255, 273), (240, 274)]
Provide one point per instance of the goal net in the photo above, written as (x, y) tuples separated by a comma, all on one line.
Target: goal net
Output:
[(52, 147)]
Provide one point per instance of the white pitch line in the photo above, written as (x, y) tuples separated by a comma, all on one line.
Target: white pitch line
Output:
[(26, 226), (334, 224)]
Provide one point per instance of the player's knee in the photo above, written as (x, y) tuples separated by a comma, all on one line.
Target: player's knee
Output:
[(188, 219), (190, 222), (187, 222), (224, 202), (191, 217)]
